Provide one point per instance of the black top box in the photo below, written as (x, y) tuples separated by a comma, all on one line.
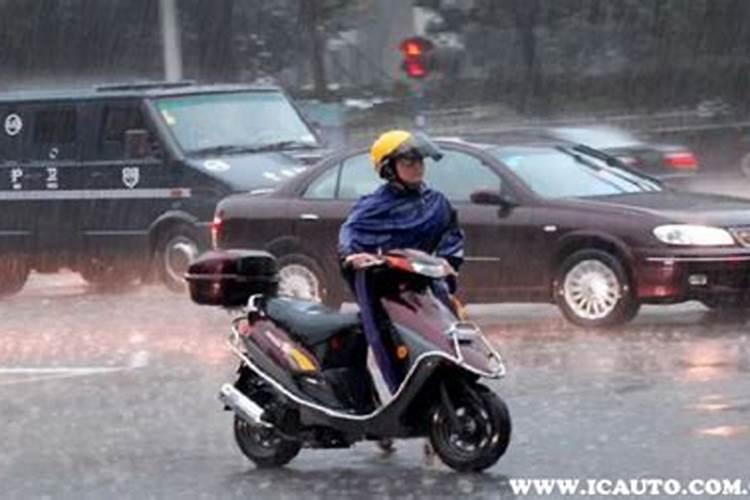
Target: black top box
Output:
[(228, 278)]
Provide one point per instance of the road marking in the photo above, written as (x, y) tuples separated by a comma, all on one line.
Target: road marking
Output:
[(137, 360), (43, 378), (43, 370)]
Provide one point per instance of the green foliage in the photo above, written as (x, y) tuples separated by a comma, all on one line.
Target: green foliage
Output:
[(663, 51), (534, 53)]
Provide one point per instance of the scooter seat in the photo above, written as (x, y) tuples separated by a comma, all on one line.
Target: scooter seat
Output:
[(311, 322)]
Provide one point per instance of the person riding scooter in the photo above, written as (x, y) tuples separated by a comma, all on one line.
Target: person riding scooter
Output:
[(303, 379), (402, 213)]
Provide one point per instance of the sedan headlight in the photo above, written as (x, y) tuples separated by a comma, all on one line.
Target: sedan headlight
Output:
[(693, 235)]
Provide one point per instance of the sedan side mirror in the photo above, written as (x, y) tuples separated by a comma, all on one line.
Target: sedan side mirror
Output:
[(494, 198)]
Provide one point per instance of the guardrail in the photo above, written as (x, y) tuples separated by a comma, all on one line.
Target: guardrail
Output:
[(456, 119)]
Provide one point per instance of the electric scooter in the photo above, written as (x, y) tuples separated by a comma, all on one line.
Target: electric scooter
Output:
[(303, 379)]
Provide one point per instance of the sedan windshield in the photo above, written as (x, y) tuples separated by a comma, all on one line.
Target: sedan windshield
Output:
[(235, 122), (564, 173)]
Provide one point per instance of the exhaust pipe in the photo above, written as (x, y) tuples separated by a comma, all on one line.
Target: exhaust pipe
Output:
[(243, 406)]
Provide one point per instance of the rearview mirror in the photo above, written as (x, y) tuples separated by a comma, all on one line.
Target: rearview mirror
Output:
[(136, 143), (492, 197)]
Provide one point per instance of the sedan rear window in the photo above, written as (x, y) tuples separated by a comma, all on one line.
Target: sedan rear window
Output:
[(553, 173)]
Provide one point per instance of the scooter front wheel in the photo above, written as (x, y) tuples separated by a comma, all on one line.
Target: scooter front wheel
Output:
[(476, 435), (263, 446)]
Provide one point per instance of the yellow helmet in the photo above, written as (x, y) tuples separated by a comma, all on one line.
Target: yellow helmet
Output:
[(395, 142), (386, 145)]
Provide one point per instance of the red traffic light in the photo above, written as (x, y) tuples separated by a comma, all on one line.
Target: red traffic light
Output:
[(415, 46), (414, 69), (416, 51), (412, 48)]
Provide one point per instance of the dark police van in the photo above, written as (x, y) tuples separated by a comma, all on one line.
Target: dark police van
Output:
[(120, 182)]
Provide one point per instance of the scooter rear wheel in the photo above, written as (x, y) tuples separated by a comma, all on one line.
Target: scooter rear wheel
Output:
[(263, 446), (478, 435)]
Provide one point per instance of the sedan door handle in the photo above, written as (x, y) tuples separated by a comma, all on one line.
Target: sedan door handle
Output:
[(309, 216)]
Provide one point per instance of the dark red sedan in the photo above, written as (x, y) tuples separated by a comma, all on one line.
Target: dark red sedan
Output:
[(544, 222)]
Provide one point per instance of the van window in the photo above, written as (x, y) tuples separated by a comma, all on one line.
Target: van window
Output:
[(115, 121), (55, 127), (54, 134)]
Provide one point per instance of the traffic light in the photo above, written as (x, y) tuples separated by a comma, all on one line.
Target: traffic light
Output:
[(416, 51)]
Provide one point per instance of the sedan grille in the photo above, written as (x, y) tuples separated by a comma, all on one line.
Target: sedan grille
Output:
[(742, 234)]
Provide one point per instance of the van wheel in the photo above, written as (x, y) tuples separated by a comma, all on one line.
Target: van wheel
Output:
[(176, 249), (303, 278), (14, 271), (592, 290)]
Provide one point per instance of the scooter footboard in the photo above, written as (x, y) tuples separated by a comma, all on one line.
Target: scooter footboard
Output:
[(402, 416)]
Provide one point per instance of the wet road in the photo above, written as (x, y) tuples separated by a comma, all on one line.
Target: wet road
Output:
[(114, 395)]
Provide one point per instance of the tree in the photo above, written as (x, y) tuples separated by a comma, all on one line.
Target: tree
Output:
[(317, 20), (312, 14), (524, 16)]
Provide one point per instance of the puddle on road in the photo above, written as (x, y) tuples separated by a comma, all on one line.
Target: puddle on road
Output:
[(705, 360), (724, 431)]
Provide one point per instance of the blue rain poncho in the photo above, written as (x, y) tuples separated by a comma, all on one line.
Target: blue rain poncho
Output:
[(389, 219), (392, 218)]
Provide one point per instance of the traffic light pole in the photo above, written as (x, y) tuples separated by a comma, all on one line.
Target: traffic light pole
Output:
[(420, 106), (170, 34)]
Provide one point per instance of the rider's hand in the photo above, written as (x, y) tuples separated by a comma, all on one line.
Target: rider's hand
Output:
[(448, 268), (361, 260)]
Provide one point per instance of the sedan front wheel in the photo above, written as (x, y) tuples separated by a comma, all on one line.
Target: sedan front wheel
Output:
[(592, 290)]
